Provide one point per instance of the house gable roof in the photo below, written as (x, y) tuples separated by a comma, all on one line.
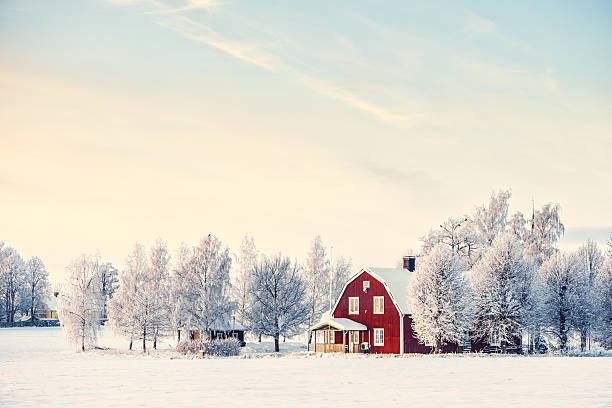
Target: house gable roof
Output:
[(397, 281)]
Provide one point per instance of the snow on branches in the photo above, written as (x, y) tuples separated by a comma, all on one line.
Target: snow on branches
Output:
[(440, 297)]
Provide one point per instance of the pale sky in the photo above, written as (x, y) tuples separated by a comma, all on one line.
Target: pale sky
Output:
[(366, 122)]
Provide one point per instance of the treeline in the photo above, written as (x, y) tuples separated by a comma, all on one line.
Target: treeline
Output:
[(501, 278), (23, 284), (202, 287)]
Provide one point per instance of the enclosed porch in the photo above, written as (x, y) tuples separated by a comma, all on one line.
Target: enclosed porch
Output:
[(339, 335)]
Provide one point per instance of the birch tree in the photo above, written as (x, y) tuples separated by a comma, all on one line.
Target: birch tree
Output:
[(80, 302), (490, 221), (246, 259), (36, 284), (316, 279), (108, 284), (501, 283), (278, 298), (441, 298)]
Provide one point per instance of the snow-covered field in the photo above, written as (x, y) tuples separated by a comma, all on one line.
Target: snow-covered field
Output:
[(37, 369)]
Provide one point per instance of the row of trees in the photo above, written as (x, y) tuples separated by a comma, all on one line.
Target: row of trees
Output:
[(23, 284), (500, 277), (155, 297)]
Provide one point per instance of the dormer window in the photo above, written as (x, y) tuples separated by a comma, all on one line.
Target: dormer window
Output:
[(366, 286)]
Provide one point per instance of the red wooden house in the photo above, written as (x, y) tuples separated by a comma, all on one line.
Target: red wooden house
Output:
[(372, 314)]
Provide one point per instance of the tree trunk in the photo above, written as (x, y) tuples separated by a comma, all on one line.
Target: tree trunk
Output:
[(179, 335), (144, 340), (155, 340), (131, 342), (437, 346), (259, 339), (83, 337), (583, 340), (276, 345)]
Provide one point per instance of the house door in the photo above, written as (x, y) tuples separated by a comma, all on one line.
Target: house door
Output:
[(353, 341)]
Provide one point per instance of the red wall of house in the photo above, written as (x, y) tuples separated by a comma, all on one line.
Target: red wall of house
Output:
[(412, 345), (390, 320)]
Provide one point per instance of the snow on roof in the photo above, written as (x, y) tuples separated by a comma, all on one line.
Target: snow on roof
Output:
[(397, 281), (339, 323), (51, 302)]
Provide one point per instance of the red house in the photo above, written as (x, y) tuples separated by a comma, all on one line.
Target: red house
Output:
[(372, 314)]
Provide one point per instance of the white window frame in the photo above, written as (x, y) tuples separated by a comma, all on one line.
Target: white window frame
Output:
[(366, 285), (382, 301), (494, 338), (351, 311), (381, 333)]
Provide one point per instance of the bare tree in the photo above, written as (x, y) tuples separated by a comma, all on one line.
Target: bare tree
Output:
[(37, 284), (12, 276), (278, 298)]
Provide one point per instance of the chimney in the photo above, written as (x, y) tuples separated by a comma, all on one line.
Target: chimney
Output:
[(409, 262)]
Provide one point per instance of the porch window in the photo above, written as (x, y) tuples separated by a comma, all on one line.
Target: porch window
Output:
[(353, 305), (379, 337), (379, 304), (320, 339)]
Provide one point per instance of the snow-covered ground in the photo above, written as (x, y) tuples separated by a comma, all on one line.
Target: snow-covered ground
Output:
[(37, 369)]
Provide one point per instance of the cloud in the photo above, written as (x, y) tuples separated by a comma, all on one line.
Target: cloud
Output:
[(255, 54), (208, 5), (477, 26), (409, 179)]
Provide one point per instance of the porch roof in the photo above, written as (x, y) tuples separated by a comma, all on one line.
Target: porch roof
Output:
[(339, 323)]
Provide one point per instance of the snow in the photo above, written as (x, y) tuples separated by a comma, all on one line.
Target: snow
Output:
[(339, 323), (39, 369)]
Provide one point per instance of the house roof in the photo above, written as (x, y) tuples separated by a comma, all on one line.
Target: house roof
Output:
[(397, 281), (340, 323), (51, 302)]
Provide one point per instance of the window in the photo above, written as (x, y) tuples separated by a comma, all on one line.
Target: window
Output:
[(379, 337), (366, 286), (353, 305), (494, 339), (331, 337), (319, 337), (379, 304)]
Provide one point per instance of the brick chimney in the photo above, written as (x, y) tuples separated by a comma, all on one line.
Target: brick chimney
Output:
[(409, 262)]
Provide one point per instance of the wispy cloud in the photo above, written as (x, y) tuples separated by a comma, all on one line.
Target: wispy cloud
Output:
[(258, 54), (208, 5)]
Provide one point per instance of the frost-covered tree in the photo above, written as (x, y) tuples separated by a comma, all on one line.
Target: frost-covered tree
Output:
[(561, 282), (501, 283), (159, 283), (246, 259), (36, 284), (603, 304), (278, 301), (109, 280), (207, 285), (316, 279), (441, 298), (339, 275), (591, 259), (80, 304), (490, 221), (459, 234), (546, 229), (178, 308), (12, 281), (141, 294)]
